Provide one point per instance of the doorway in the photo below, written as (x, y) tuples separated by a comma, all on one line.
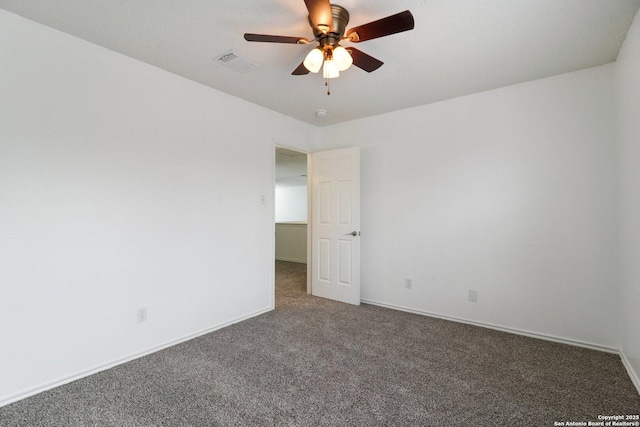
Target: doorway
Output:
[(291, 214)]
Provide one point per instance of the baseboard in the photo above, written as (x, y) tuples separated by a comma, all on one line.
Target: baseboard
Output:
[(632, 374), (85, 373), (299, 261), (496, 327)]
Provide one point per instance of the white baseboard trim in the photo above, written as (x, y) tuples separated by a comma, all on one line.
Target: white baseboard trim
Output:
[(6, 400), (85, 373), (496, 327), (299, 261), (632, 374)]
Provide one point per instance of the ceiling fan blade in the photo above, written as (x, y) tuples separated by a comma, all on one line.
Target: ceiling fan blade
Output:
[(364, 61), (393, 24), (274, 39), (301, 70), (320, 14)]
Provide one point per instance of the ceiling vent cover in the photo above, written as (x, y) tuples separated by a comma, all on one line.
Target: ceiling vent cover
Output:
[(236, 62)]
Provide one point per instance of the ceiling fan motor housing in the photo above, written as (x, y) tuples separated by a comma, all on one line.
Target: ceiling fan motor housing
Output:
[(340, 22)]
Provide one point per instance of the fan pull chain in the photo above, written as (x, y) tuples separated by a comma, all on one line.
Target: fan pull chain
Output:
[(326, 83)]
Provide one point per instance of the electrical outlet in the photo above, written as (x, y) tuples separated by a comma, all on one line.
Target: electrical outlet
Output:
[(142, 314), (408, 283), (473, 295)]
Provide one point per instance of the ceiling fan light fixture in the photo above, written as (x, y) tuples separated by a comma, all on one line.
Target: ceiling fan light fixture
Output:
[(330, 69), (314, 60), (329, 24), (342, 58)]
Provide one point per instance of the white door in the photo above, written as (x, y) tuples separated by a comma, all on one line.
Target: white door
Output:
[(335, 248)]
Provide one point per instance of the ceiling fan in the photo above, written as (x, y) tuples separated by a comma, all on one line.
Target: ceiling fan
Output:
[(329, 22)]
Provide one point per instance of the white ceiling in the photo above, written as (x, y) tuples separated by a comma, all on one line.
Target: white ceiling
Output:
[(458, 47)]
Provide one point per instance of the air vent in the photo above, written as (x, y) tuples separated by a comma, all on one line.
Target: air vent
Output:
[(237, 62)]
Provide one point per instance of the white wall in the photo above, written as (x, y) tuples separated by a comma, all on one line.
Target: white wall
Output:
[(114, 195), (291, 242), (509, 192), (628, 98), (291, 203)]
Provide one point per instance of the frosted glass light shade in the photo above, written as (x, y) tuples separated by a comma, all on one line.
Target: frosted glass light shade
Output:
[(313, 61), (342, 58), (330, 70)]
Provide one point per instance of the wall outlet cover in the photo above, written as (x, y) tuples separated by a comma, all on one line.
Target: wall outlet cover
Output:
[(473, 295), (142, 314)]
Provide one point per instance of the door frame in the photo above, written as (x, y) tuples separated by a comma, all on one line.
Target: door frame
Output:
[(309, 210)]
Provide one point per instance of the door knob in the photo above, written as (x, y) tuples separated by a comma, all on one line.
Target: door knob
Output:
[(353, 233)]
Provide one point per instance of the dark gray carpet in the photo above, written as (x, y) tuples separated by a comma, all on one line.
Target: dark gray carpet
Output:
[(318, 362)]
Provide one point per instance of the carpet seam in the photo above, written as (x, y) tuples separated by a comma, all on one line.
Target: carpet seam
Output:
[(298, 261)]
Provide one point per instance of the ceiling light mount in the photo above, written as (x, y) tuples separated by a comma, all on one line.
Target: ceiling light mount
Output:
[(340, 17)]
